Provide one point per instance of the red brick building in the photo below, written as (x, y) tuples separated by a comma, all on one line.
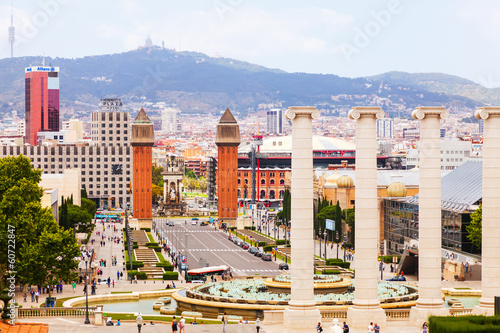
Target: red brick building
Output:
[(227, 141), (142, 144)]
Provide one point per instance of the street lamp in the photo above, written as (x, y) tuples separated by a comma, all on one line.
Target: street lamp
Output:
[(325, 234), (337, 239), (87, 320), (320, 246), (139, 321)]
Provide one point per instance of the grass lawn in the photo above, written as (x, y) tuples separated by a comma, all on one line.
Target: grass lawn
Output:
[(151, 239)]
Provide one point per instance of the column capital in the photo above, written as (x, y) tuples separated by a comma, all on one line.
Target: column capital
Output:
[(359, 111), (294, 111), (487, 111), (423, 111)]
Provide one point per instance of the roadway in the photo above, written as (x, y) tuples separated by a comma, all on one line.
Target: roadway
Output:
[(203, 245)]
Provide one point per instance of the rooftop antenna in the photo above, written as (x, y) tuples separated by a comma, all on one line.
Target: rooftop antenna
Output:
[(12, 35)]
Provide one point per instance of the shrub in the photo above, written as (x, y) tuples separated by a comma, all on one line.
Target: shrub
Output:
[(268, 248), (134, 242), (250, 228), (166, 266), (477, 324), (347, 245), (135, 264), (170, 276), (156, 248), (388, 259), (151, 244), (333, 261), (146, 229), (281, 242), (135, 246), (140, 275), (345, 265), (330, 271), (260, 244)]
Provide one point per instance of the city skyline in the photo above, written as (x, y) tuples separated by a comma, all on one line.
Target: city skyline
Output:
[(341, 38)]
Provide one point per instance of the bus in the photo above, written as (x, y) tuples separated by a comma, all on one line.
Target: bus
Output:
[(201, 274)]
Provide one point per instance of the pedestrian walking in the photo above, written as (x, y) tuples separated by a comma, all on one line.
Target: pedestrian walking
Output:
[(37, 294), (425, 329), (174, 325), (376, 328), (370, 328), (345, 327), (257, 324), (319, 329), (74, 287), (182, 325), (224, 322)]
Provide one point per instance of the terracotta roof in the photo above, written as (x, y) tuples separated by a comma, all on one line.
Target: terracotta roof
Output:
[(142, 118), (227, 118), (24, 328)]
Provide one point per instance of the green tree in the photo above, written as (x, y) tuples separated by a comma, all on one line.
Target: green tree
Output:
[(189, 173), (157, 193), (77, 214), (157, 175), (83, 192), (22, 215), (89, 206), (338, 223), (326, 213), (350, 219), (475, 227), (50, 259)]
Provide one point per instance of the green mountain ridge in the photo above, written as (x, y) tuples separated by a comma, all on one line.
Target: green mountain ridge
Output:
[(196, 82)]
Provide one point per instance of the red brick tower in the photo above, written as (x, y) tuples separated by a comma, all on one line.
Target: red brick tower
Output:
[(227, 141), (143, 138)]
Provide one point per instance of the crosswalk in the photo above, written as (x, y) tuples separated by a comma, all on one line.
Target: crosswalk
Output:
[(255, 270), (218, 250)]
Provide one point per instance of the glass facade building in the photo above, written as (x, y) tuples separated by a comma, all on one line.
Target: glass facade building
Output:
[(41, 101), (401, 227)]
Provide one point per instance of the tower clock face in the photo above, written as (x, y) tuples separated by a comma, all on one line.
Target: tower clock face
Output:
[(116, 169)]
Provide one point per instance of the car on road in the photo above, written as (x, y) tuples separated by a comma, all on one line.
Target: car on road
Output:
[(171, 223), (230, 237), (397, 278), (267, 257), (194, 222), (258, 253), (253, 249), (203, 223), (245, 246), (283, 266)]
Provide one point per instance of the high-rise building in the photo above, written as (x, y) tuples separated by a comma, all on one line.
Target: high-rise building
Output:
[(275, 121), (227, 140), (41, 101), (385, 128), (170, 121), (110, 126)]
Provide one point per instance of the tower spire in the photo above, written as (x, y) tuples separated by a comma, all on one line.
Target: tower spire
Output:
[(12, 34)]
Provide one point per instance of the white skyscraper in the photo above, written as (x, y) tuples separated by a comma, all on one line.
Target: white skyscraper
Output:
[(385, 128), (170, 122), (275, 121)]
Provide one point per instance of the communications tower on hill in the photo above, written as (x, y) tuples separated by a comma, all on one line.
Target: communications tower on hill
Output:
[(12, 34)]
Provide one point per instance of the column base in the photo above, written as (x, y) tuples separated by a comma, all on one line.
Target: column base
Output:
[(425, 308), (298, 319), (140, 223), (486, 307), (361, 315)]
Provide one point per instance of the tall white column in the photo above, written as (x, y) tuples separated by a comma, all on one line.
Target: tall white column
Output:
[(491, 210), (429, 229), (366, 305), (302, 315)]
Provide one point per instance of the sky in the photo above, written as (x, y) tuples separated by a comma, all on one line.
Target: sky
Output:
[(347, 38)]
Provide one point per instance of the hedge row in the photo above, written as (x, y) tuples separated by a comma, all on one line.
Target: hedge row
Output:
[(156, 248), (146, 229), (151, 244), (170, 276), (135, 264), (281, 242), (388, 259), (140, 275), (260, 244), (338, 262), (330, 271), (476, 324), (250, 228), (268, 248)]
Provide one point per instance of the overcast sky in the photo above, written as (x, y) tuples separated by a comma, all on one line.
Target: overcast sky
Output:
[(347, 38)]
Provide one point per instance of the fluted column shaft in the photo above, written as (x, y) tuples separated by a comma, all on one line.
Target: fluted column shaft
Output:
[(366, 228), (490, 252), (302, 288), (429, 245)]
